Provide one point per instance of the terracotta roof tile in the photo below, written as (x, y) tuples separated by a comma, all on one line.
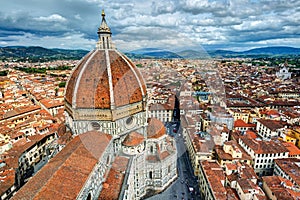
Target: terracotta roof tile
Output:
[(264, 147), (133, 139), (112, 186), (272, 124), (293, 150), (241, 123), (275, 183), (155, 129), (94, 88), (291, 167), (72, 80), (72, 165)]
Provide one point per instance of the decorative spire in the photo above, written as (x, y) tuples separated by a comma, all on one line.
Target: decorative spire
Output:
[(104, 35), (103, 27)]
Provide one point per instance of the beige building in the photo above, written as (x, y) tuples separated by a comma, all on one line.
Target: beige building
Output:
[(231, 152), (212, 181)]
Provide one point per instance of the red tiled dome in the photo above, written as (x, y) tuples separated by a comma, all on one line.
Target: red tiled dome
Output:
[(105, 79)]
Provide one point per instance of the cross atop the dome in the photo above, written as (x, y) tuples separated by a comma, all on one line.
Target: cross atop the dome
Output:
[(104, 35)]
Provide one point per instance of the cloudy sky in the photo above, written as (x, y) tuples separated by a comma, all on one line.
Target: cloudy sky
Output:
[(169, 24)]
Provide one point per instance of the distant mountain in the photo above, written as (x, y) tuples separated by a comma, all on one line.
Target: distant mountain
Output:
[(152, 53), (39, 53), (274, 51), (36, 53), (258, 52), (193, 54)]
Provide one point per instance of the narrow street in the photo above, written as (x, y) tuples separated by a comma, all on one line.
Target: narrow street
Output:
[(185, 187)]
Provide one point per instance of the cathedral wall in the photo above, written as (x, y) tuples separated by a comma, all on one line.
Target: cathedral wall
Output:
[(93, 185), (136, 122)]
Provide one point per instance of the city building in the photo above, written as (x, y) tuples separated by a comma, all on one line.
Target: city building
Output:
[(276, 188), (163, 109), (22, 161), (212, 181), (242, 126), (289, 169), (284, 73), (231, 152), (268, 129), (263, 153)]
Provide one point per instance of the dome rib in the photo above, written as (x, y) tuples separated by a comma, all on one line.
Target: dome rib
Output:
[(74, 77), (111, 92), (79, 79), (138, 78)]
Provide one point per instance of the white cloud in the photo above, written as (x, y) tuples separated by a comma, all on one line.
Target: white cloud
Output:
[(67, 41), (77, 16), (52, 18)]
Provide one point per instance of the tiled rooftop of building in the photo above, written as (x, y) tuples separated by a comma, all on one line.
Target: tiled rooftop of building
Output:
[(277, 186), (231, 194), (290, 166), (155, 128), (241, 123), (91, 81), (112, 185), (273, 125), (48, 103), (292, 148), (133, 139), (241, 171), (215, 175), (72, 165), (264, 147), (248, 186), (226, 156), (19, 111), (7, 179)]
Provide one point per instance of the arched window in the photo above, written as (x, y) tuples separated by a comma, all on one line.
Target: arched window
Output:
[(107, 42), (150, 175), (151, 149), (89, 197), (108, 160)]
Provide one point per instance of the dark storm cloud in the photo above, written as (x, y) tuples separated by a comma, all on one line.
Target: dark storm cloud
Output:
[(215, 23)]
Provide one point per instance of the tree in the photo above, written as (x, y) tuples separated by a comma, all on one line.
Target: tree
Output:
[(62, 84)]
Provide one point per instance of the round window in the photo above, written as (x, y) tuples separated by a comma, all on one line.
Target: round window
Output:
[(95, 125), (129, 120)]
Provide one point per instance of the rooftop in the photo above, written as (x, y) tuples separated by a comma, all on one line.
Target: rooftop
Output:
[(215, 176), (277, 186), (290, 166), (112, 185), (72, 165), (264, 147)]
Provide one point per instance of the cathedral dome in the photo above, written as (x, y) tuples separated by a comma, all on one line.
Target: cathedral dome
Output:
[(105, 79)]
